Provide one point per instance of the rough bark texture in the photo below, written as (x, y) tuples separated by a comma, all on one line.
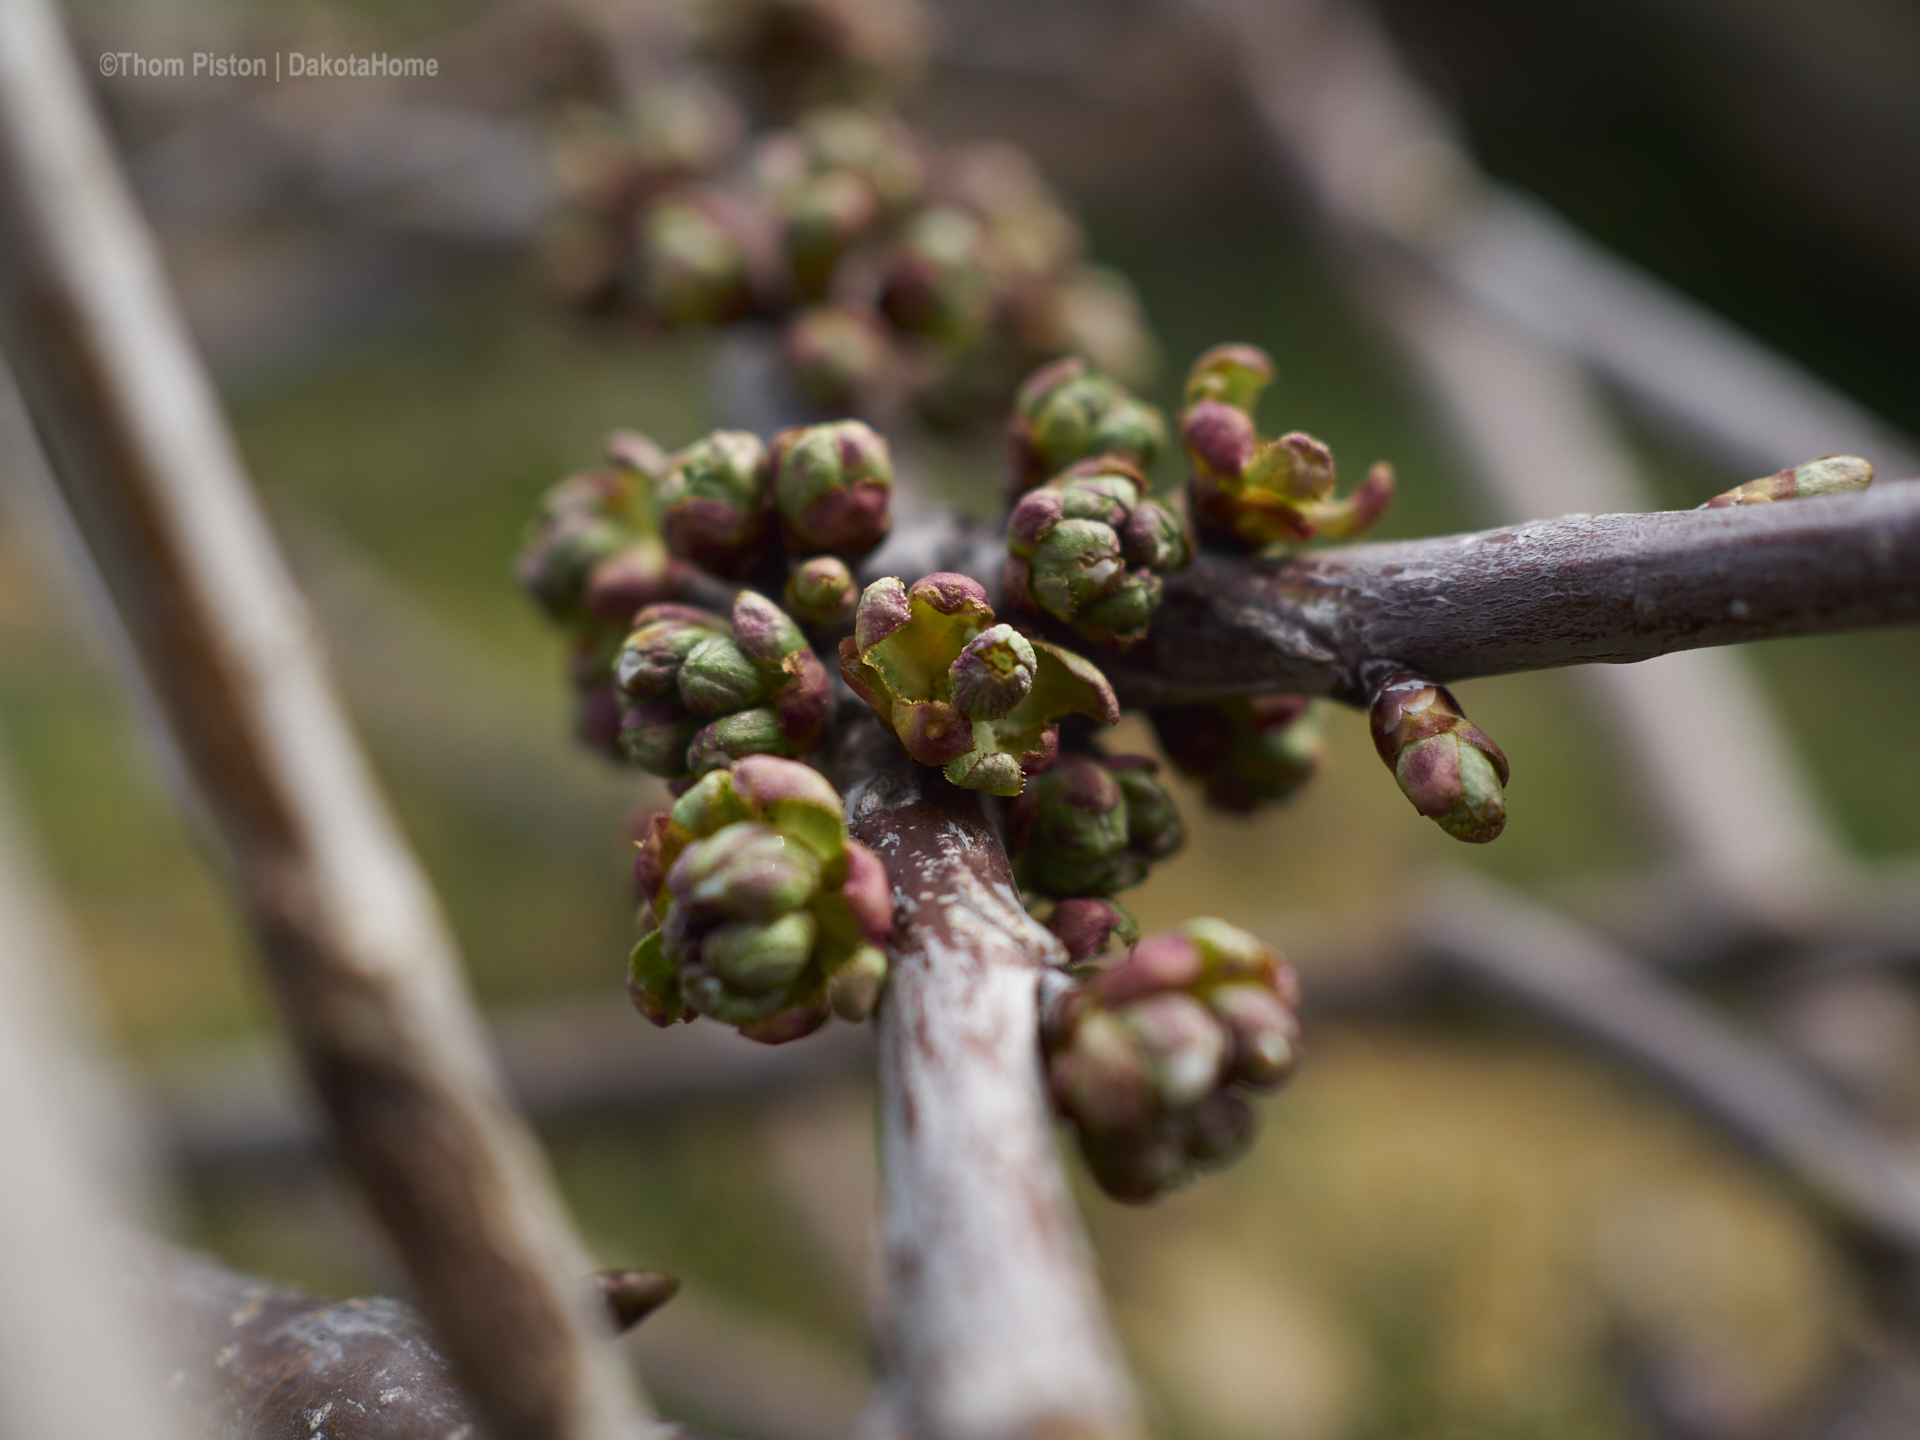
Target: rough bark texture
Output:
[(995, 1320), (358, 956), (1579, 590)]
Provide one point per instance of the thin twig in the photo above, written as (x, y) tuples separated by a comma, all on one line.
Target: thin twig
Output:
[(1575, 591), (355, 948), (1568, 974), (995, 1320)]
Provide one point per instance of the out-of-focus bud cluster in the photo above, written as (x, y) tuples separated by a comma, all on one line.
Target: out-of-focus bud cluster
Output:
[(1067, 411), (699, 692), (895, 269), (1248, 751), (592, 558), (1448, 768), (1089, 548), (790, 54), (769, 917), (1152, 1058), (1829, 475), (1249, 493), (959, 690), (1091, 826)]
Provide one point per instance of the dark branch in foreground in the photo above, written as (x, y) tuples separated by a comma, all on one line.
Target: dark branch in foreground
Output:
[(1574, 591), (265, 1362)]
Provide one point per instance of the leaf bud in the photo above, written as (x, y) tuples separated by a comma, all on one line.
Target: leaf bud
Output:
[(1829, 475), (1447, 767)]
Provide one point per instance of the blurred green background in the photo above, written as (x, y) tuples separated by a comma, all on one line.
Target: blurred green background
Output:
[(1450, 1223)]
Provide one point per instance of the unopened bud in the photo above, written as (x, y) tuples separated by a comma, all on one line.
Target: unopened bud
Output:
[(716, 503), (718, 678), (822, 592), (853, 987), (1829, 475), (1087, 926), (837, 354), (1065, 412), (1231, 374), (834, 487), (1447, 767), (1247, 751), (759, 958), (746, 872), (993, 673), (692, 265), (629, 1296)]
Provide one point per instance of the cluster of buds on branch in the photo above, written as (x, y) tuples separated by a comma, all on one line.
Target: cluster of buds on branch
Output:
[(768, 916), (1152, 1058), (894, 269)]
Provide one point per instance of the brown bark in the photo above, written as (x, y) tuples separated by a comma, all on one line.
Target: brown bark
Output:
[(1579, 590), (995, 1319), (356, 952)]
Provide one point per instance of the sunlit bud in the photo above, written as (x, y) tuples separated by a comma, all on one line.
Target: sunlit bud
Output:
[(993, 673), (834, 487), (716, 503), (718, 678), (1230, 374), (648, 664), (1447, 767), (746, 871), (1065, 412), (821, 592), (1829, 475), (900, 660)]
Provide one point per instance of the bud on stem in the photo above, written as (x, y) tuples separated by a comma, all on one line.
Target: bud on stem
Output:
[(1446, 766), (1829, 475)]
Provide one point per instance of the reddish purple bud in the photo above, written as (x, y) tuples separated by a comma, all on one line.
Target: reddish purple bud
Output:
[(869, 893), (1088, 926), (1220, 438)]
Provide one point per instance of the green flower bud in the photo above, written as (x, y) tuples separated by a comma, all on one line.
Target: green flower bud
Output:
[(1090, 826), (1065, 412), (1829, 475), (1149, 1058), (690, 262), (834, 487), (901, 660), (1089, 547), (1447, 767), (821, 592), (716, 503), (993, 673), (1248, 751), (753, 680), (837, 356), (1247, 493), (770, 916), (935, 281)]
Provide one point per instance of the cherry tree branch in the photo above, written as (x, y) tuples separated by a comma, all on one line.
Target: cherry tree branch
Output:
[(1574, 591), (996, 1326), (355, 949)]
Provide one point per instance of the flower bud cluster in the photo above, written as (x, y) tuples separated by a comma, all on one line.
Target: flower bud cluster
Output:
[(591, 559), (1152, 1057), (829, 487), (699, 692), (1247, 751), (1089, 548), (1249, 493), (1066, 412), (769, 917), (1091, 826), (896, 269), (1447, 767), (959, 690), (1829, 475)]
